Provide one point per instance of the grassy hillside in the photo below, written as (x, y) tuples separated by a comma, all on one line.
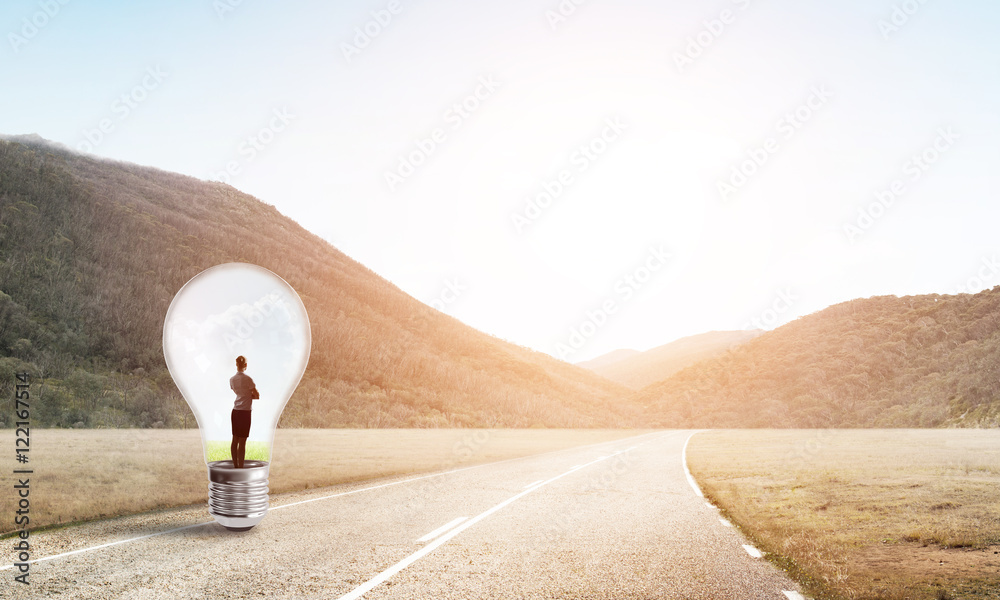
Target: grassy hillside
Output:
[(608, 359), (919, 361), (645, 368), (92, 252)]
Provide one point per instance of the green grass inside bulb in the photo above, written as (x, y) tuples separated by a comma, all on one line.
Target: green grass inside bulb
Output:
[(219, 450)]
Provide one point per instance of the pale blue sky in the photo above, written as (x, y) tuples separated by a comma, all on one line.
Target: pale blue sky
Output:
[(347, 122)]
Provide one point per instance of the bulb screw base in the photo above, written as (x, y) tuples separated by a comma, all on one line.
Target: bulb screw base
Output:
[(237, 498)]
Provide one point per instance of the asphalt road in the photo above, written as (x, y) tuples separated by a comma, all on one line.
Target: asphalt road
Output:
[(613, 520)]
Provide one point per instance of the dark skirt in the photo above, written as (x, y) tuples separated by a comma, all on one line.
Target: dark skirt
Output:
[(241, 423)]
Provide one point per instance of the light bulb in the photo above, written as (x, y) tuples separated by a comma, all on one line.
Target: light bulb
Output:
[(227, 311)]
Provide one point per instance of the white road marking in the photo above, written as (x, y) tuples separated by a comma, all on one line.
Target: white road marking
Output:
[(430, 536), (273, 508), (687, 472), (753, 551), (793, 595), (709, 504), (725, 522), (368, 489), (575, 467), (532, 484), (382, 577), (385, 575), (141, 537)]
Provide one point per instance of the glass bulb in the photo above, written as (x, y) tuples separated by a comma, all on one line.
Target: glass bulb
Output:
[(231, 310)]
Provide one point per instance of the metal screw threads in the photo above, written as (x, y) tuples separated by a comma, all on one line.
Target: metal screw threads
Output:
[(237, 498)]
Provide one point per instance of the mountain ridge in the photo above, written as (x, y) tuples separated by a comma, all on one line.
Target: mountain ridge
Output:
[(641, 369), (608, 358), (113, 241)]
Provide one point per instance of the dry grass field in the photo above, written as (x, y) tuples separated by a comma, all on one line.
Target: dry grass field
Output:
[(864, 514), (92, 474)]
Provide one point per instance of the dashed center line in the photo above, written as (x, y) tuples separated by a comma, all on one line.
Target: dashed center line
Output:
[(440, 530), (442, 539)]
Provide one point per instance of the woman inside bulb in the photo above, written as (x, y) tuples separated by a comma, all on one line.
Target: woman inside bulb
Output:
[(246, 393)]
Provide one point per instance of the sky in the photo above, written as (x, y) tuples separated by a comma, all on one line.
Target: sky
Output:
[(574, 176)]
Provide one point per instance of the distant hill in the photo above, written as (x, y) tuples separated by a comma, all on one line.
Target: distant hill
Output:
[(92, 252), (639, 369), (607, 359), (916, 361)]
